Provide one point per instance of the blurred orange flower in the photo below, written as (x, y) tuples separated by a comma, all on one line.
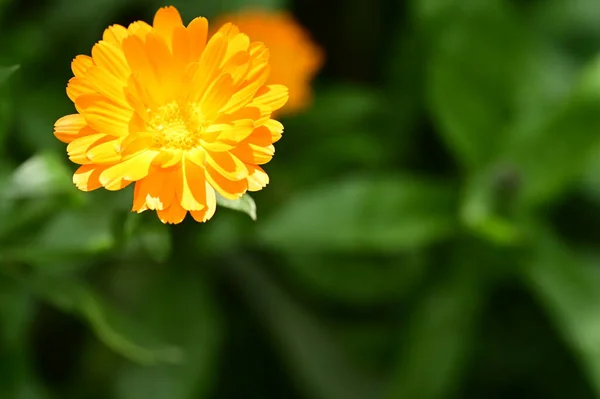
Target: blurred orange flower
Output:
[(295, 58), (178, 115)]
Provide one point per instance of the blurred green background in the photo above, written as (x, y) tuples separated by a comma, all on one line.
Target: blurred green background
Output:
[(431, 229)]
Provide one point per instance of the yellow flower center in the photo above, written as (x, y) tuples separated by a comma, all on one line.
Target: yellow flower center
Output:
[(176, 126)]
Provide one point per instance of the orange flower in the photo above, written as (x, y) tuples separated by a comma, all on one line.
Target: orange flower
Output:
[(295, 59), (179, 116)]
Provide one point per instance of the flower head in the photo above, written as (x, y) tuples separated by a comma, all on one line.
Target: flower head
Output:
[(295, 58), (176, 114)]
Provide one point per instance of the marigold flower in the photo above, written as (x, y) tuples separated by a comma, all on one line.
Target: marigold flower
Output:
[(179, 116), (295, 58)]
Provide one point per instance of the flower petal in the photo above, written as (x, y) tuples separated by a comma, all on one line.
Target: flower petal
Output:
[(106, 84), (78, 148), (166, 20), (133, 169), (157, 190), (227, 165), (210, 60), (272, 97), (110, 57), (227, 188), (68, 128), (198, 33), (106, 116), (115, 34), (193, 196), (140, 64), (217, 95), (139, 29), (211, 206), (257, 178), (77, 87), (276, 129), (106, 152), (81, 64), (173, 214), (86, 178)]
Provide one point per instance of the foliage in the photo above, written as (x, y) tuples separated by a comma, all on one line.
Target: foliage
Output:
[(428, 231)]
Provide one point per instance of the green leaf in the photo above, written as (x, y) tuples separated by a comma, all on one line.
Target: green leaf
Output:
[(313, 357), (554, 156), (42, 175), (439, 334), (178, 306), (35, 128), (487, 195), (7, 71), (244, 204), (29, 194), (537, 165), (118, 332), (388, 214), (567, 287), (17, 311), (146, 233), (71, 234), (269, 5), (357, 280), (479, 57), (342, 119)]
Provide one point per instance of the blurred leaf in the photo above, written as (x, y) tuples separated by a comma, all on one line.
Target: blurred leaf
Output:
[(348, 120), (440, 333), (476, 68), (178, 306), (244, 204), (406, 78), (71, 234), (41, 175), (572, 24), (487, 194), (539, 164), (49, 101), (555, 155), (364, 213), (16, 311), (238, 5), (567, 287), (117, 332), (339, 106), (16, 219), (16, 371), (145, 232), (313, 357), (357, 280), (32, 192), (6, 72)]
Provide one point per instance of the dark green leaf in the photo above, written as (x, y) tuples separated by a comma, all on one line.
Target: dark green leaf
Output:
[(313, 357), (357, 280), (567, 287), (478, 61), (16, 369), (71, 234), (237, 5), (147, 234), (42, 175), (245, 204), (117, 331), (7, 71), (555, 155), (186, 317), (364, 213), (439, 334)]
